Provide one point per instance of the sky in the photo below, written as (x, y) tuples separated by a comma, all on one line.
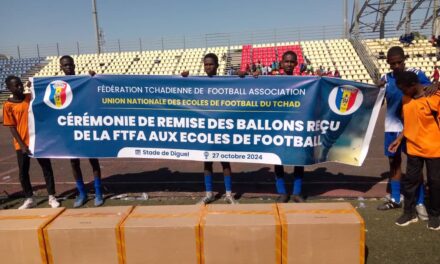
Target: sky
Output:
[(43, 22), (26, 23)]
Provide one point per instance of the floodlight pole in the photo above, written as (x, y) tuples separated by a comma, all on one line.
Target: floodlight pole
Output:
[(346, 18), (356, 19), (408, 18), (434, 17), (95, 19), (382, 19)]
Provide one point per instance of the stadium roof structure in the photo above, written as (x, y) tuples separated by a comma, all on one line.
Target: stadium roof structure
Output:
[(382, 18)]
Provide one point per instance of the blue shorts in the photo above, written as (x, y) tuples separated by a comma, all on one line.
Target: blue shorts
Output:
[(389, 138)]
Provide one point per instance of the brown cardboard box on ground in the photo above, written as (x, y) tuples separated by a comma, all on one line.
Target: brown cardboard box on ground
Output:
[(89, 235), (330, 233), (244, 233), (21, 234), (162, 234)]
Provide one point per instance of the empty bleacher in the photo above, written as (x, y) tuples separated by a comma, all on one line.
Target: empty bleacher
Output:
[(317, 53), (330, 54), (137, 63), (420, 55), (191, 60), (336, 54), (166, 62), (156, 62), (17, 67)]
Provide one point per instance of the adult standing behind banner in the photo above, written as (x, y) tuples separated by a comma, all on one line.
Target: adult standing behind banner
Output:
[(288, 63), (210, 63), (67, 65)]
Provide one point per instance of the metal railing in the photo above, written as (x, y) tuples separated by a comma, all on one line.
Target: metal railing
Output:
[(179, 42), (289, 34), (370, 62), (366, 32)]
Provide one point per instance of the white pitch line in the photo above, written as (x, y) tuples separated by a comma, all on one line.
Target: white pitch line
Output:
[(7, 157), (5, 173)]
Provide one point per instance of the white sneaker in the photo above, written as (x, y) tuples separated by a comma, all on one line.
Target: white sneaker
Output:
[(421, 212), (207, 199), (53, 202), (230, 199), (388, 197), (28, 203)]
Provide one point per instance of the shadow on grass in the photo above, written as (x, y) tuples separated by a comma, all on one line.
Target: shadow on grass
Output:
[(315, 183)]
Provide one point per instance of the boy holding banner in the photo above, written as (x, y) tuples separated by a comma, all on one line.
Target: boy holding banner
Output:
[(210, 64), (15, 114), (288, 63), (67, 65)]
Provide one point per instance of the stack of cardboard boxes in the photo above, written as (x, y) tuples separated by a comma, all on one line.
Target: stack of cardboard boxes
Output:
[(245, 233), (90, 235), (162, 234), (21, 235)]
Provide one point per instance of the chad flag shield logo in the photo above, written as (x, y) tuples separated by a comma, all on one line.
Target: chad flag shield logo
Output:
[(345, 100), (58, 95)]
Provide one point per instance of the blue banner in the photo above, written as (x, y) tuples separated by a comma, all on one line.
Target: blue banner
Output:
[(292, 120)]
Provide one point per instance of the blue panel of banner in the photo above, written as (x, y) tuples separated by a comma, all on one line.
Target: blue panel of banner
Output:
[(291, 120)]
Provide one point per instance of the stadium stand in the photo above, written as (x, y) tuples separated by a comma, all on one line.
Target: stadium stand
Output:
[(335, 53), (18, 67), (420, 55), (165, 63), (157, 62), (246, 55), (135, 63), (317, 53), (191, 60), (23, 68), (268, 53)]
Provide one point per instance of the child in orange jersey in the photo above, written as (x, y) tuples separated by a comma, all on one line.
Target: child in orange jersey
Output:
[(421, 129), (15, 115)]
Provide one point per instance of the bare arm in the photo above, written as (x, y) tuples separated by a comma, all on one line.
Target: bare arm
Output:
[(380, 83), (241, 74), (24, 148), (256, 73), (396, 143)]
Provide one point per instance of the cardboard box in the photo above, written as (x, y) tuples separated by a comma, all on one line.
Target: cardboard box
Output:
[(162, 234), (89, 235), (322, 233), (244, 233), (21, 234)]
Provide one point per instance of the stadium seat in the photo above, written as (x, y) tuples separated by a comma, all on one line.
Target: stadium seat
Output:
[(421, 47)]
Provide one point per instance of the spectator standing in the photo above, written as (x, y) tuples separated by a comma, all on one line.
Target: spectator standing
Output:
[(67, 65), (435, 75)]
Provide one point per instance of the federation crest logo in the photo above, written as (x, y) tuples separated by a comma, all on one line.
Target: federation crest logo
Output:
[(345, 99), (58, 95)]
